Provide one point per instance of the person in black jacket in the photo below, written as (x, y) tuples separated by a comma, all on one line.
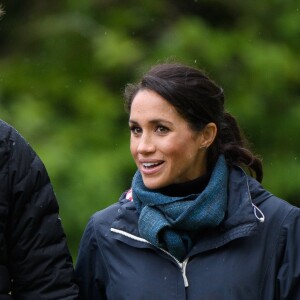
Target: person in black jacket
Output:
[(196, 222), (35, 262)]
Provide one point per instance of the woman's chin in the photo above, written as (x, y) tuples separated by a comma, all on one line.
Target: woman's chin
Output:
[(153, 184)]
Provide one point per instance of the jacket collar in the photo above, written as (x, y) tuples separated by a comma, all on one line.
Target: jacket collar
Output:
[(242, 216), (241, 220)]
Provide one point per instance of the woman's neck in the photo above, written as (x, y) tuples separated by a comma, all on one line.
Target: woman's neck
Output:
[(195, 186)]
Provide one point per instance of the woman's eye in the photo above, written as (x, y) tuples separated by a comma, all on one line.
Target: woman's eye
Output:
[(162, 129), (135, 130)]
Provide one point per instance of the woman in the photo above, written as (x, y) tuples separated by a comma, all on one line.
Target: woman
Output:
[(194, 225)]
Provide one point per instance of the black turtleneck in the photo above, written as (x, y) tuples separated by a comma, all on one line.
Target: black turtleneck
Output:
[(195, 186)]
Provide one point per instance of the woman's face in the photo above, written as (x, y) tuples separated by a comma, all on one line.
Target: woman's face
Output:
[(165, 149)]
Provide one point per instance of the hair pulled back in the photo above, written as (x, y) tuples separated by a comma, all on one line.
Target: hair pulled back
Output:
[(199, 100)]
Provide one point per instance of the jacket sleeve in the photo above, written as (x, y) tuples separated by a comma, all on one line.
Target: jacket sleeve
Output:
[(90, 271), (39, 261), (288, 277)]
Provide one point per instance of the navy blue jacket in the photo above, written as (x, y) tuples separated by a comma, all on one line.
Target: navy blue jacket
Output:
[(35, 262), (253, 254)]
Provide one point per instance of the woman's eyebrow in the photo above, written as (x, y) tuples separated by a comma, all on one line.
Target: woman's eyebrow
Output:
[(133, 122), (154, 121)]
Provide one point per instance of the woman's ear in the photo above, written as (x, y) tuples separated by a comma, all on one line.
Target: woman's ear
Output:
[(208, 133)]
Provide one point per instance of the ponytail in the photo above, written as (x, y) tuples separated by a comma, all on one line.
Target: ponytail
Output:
[(234, 145)]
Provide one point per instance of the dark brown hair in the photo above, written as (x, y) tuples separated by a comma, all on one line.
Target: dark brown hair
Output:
[(199, 100)]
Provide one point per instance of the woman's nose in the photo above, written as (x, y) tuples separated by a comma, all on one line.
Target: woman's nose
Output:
[(145, 144)]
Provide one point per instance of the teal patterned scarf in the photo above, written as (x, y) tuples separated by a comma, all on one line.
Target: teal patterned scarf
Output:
[(169, 222)]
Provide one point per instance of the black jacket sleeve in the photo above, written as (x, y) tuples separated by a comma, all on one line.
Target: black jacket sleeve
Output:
[(90, 267), (37, 257), (288, 277)]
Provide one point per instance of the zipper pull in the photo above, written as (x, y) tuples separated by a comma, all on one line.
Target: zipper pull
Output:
[(183, 271)]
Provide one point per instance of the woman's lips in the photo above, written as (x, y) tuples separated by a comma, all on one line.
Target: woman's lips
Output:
[(150, 168)]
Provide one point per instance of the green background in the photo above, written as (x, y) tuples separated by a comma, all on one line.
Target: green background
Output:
[(64, 65)]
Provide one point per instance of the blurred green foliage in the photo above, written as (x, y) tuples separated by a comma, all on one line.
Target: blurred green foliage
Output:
[(64, 64)]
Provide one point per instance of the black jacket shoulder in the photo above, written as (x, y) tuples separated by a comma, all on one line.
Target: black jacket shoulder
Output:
[(35, 262)]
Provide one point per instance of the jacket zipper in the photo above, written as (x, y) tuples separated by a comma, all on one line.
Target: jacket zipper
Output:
[(182, 265)]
